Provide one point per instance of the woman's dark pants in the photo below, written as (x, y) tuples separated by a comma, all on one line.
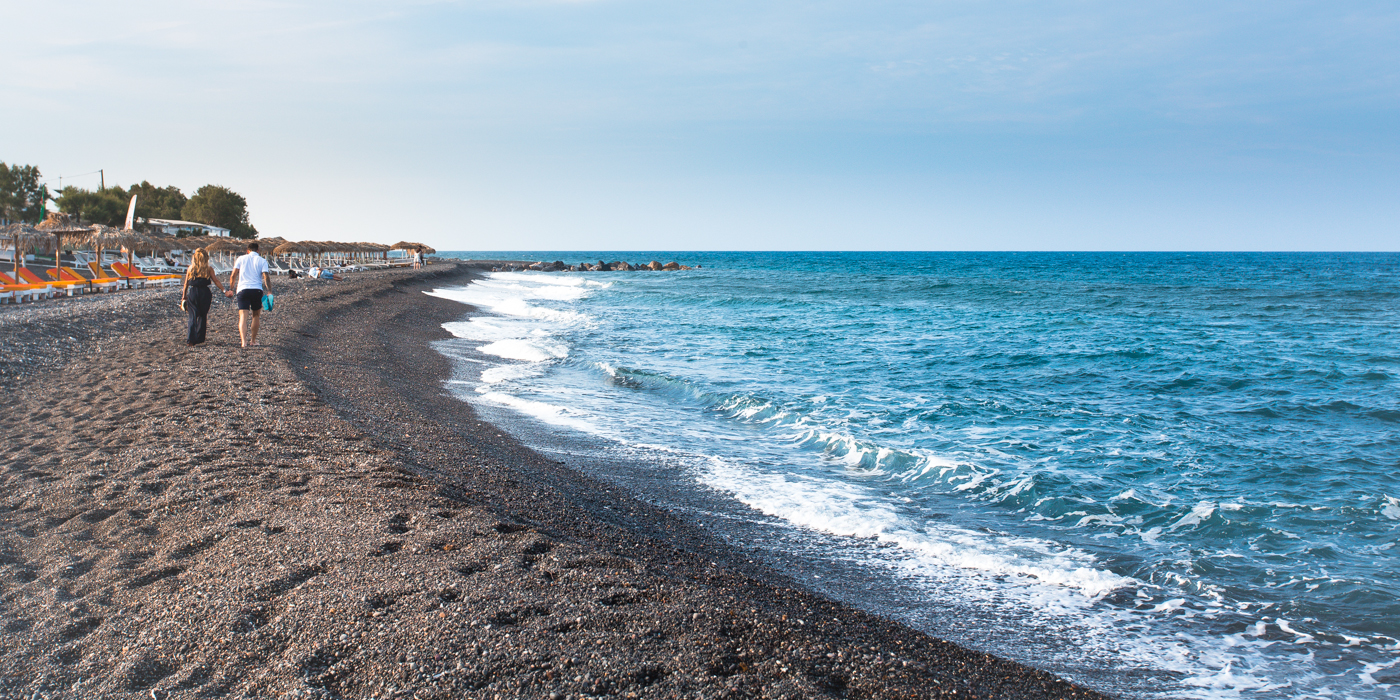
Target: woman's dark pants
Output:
[(197, 301)]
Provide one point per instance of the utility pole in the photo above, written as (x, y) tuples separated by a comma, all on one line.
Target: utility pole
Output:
[(101, 180)]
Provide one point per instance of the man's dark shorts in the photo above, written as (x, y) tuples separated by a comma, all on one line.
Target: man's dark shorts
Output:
[(250, 300)]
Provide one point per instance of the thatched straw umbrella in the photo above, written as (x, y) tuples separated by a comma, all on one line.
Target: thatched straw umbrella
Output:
[(407, 246), (64, 231), (368, 250), (161, 244), (226, 245), (288, 248), (21, 235), (131, 240), (103, 237)]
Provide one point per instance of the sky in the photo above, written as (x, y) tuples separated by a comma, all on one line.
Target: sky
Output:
[(755, 125)]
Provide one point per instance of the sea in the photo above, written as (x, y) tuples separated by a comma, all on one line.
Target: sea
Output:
[(1162, 475)]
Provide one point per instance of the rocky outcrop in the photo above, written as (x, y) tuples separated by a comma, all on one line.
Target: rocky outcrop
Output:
[(600, 266)]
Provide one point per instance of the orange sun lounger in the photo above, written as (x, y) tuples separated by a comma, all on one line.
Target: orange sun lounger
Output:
[(135, 274), (99, 275), (68, 275), (20, 290), (68, 287)]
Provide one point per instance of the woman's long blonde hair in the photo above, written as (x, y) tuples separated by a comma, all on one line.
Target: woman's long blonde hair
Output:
[(199, 267)]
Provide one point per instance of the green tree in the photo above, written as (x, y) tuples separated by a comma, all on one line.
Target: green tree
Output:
[(22, 196), (102, 206), (220, 206), (157, 202)]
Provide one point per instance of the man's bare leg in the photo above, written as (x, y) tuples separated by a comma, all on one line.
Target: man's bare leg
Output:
[(253, 335), (243, 326)]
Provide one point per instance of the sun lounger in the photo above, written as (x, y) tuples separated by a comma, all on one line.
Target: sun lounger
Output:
[(134, 274), (153, 265), (105, 280), (66, 274), (21, 290), (68, 288), (17, 293), (97, 284)]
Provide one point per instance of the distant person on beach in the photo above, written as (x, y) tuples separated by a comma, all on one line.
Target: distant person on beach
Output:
[(195, 297), (322, 274), (417, 259), (249, 278)]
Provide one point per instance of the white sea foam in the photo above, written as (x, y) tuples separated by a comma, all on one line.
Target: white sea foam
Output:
[(1391, 508), (549, 413), (511, 298), (527, 349), (1368, 671), (1198, 515), (851, 510), (509, 373), (518, 330)]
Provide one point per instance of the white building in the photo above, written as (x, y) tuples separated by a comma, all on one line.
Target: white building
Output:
[(172, 227)]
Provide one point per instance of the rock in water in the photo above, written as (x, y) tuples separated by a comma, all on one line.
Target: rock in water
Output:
[(654, 265), (671, 266)]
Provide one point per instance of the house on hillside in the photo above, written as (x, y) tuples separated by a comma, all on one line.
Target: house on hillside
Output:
[(174, 227)]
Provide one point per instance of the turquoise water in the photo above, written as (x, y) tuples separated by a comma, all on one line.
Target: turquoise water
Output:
[(1187, 464)]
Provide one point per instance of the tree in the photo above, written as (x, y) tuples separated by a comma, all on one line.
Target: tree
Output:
[(102, 206), (22, 196), (219, 206), (157, 202)]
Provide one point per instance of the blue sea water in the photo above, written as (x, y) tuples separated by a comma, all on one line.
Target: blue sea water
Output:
[(1160, 474)]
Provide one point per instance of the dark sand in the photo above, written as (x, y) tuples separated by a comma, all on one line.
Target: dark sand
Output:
[(317, 518)]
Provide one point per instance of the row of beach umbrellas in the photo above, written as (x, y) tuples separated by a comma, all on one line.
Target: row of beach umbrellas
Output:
[(56, 234)]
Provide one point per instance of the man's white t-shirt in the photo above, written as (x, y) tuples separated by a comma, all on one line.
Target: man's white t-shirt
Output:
[(250, 271)]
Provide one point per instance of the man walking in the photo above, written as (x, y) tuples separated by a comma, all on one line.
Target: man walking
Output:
[(249, 278)]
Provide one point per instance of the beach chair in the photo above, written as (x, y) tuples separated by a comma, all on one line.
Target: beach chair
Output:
[(101, 277), (152, 265), (134, 274), (96, 283), (68, 288), (21, 291), (66, 274)]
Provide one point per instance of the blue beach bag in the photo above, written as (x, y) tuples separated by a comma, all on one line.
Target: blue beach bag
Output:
[(267, 301)]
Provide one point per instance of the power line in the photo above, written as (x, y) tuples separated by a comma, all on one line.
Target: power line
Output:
[(99, 171)]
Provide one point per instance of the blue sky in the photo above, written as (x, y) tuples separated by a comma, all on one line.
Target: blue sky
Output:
[(623, 124)]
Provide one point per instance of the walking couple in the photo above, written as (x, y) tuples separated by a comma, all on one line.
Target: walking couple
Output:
[(248, 281)]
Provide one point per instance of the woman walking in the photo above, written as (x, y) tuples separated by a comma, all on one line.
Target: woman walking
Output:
[(195, 298)]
